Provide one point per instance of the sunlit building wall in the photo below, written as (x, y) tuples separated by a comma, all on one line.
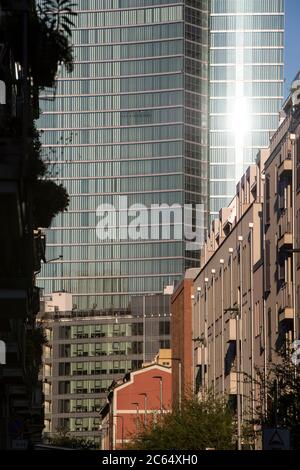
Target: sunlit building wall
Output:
[(246, 87)]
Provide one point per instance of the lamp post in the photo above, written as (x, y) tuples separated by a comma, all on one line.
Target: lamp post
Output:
[(193, 334), (222, 327), (59, 258), (293, 139), (236, 310), (145, 407), (122, 428), (159, 377), (179, 379), (137, 413), (54, 259), (250, 239), (213, 272)]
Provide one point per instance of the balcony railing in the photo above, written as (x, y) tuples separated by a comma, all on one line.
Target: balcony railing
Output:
[(286, 294), (285, 222), (230, 334)]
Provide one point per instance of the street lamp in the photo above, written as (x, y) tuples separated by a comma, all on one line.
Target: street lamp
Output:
[(159, 377), (54, 259), (137, 412), (122, 428), (236, 310), (145, 406)]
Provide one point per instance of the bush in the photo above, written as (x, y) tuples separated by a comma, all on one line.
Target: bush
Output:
[(48, 200)]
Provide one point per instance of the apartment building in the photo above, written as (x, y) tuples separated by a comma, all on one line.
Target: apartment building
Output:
[(88, 350), (245, 298), (22, 245), (282, 228)]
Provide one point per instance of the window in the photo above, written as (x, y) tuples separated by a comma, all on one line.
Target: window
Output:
[(257, 319), (268, 266), (267, 205), (269, 334)]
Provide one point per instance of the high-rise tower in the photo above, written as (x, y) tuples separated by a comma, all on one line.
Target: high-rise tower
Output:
[(131, 120), (246, 87)]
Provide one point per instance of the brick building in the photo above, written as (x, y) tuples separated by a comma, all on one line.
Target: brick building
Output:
[(132, 403), (181, 333)]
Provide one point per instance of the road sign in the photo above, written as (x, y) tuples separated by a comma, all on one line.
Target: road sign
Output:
[(276, 439)]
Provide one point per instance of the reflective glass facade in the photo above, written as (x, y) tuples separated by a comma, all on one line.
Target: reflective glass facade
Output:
[(246, 87), (131, 120)]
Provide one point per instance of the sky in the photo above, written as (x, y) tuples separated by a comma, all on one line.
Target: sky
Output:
[(292, 42)]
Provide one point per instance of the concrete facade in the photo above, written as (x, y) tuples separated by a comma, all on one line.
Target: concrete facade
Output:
[(88, 350)]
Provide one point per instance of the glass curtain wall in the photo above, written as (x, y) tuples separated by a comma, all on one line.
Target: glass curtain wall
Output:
[(131, 120), (246, 87)]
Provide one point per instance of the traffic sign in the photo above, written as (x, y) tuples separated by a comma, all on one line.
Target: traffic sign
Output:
[(276, 439)]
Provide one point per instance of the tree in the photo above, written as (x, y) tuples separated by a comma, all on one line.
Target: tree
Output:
[(199, 425), (57, 14), (279, 400)]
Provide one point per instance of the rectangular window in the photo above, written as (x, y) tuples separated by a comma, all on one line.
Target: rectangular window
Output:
[(267, 204), (268, 266), (257, 319), (269, 334)]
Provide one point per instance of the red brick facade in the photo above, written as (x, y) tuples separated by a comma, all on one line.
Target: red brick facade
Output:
[(181, 337), (135, 402)]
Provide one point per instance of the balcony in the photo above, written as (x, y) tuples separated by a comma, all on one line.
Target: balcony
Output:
[(232, 383), (286, 302), (285, 229), (230, 332), (286, 165), (201, 356)]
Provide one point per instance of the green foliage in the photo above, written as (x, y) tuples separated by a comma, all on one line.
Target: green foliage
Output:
[(35, 340), (36, 167), (57, 14), (49, 48), (62, 439), (199, 425), (282, 389), (49, 199)]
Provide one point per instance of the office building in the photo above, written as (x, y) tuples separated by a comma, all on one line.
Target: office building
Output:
[(246, 88), (88, 350), (131, 120)]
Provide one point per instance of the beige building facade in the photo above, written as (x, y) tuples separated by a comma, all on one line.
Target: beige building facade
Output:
[(246, 297), (228, 297)]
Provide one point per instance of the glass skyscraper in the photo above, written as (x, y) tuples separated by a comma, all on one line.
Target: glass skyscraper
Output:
[(246, 87), (131, 120)]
